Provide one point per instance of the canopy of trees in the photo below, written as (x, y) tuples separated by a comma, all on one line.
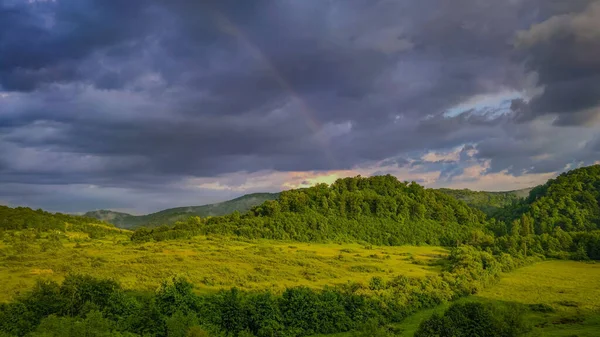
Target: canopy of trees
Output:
[(379, 210), (487, 202), (475, 319), (560, 218), (23, 218)]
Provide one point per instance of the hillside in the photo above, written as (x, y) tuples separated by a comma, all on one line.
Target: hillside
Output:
[(24, 218), (570, 202), (171, 215), (379, 210), (559, 219), (487, 202)]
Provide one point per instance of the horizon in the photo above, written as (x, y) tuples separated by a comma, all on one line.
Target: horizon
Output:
[(149, 105), (244, 195)]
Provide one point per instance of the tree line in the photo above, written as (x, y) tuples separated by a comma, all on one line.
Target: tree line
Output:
[(379, 210), (24, 219), (559, 219)]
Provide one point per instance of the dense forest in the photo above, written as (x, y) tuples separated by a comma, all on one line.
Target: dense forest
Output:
[(560, 216), (378, 210), (487, 202), (557, 219)]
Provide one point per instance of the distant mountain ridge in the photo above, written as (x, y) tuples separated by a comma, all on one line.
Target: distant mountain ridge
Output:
[(171, 215), (488, 202)]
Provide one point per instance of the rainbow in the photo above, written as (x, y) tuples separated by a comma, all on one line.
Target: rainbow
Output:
[(227, 26)]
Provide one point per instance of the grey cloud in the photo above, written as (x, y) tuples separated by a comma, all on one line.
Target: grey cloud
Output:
[(528, 148), (149, 94), (43, 42), (563, 51)]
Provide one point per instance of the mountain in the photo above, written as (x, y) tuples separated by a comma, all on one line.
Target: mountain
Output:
[(171, 215), (488, 202)]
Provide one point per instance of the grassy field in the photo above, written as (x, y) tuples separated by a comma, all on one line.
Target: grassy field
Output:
[(213, 263), (569, 291)]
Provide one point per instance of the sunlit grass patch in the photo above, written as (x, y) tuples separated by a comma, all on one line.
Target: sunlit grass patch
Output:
[(562, 299), (213, 263), (561, 284), (563, 296)]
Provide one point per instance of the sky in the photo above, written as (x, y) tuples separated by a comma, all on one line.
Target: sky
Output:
[(142, 105)]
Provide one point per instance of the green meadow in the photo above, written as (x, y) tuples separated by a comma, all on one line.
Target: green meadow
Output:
[(561, 299), (563, 296), (213, 263)]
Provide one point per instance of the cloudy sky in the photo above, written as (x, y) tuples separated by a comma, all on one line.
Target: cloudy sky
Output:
[(141, 105)]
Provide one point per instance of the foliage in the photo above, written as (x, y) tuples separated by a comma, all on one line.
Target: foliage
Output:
[(87, 306), (475, 319), (24, 218), (379, 210), (487, 202), (569, 202), (559, 219)]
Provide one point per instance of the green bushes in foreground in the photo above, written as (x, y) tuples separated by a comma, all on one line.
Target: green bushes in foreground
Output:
[(85, 306), (476, 319)]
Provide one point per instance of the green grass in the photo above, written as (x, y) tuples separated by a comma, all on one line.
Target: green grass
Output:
[(570, 289), (213, 263), (551, 282)]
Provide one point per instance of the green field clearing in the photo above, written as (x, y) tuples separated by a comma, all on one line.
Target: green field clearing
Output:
[(551, 282), (213, 263), (571, 289)]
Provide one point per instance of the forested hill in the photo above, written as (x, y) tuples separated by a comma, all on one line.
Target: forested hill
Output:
[(571, 201), (488, 202), (379, 210), (170, 216), (23, 218)]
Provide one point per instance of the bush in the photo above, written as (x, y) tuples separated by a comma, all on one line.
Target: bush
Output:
[(475, 319), (541, 307)]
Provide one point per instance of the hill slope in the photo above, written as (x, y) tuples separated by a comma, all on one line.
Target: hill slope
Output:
[(172, 215), (24, 218), (571, 202), (488, 202), (378, 210)]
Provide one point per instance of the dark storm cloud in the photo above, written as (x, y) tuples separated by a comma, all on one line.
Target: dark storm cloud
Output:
[(44, 42), (531, 148), (142, 94), (564, 52)]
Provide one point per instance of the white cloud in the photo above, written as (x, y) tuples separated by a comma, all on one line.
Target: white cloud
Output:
[(439, 156), (498, 100)]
